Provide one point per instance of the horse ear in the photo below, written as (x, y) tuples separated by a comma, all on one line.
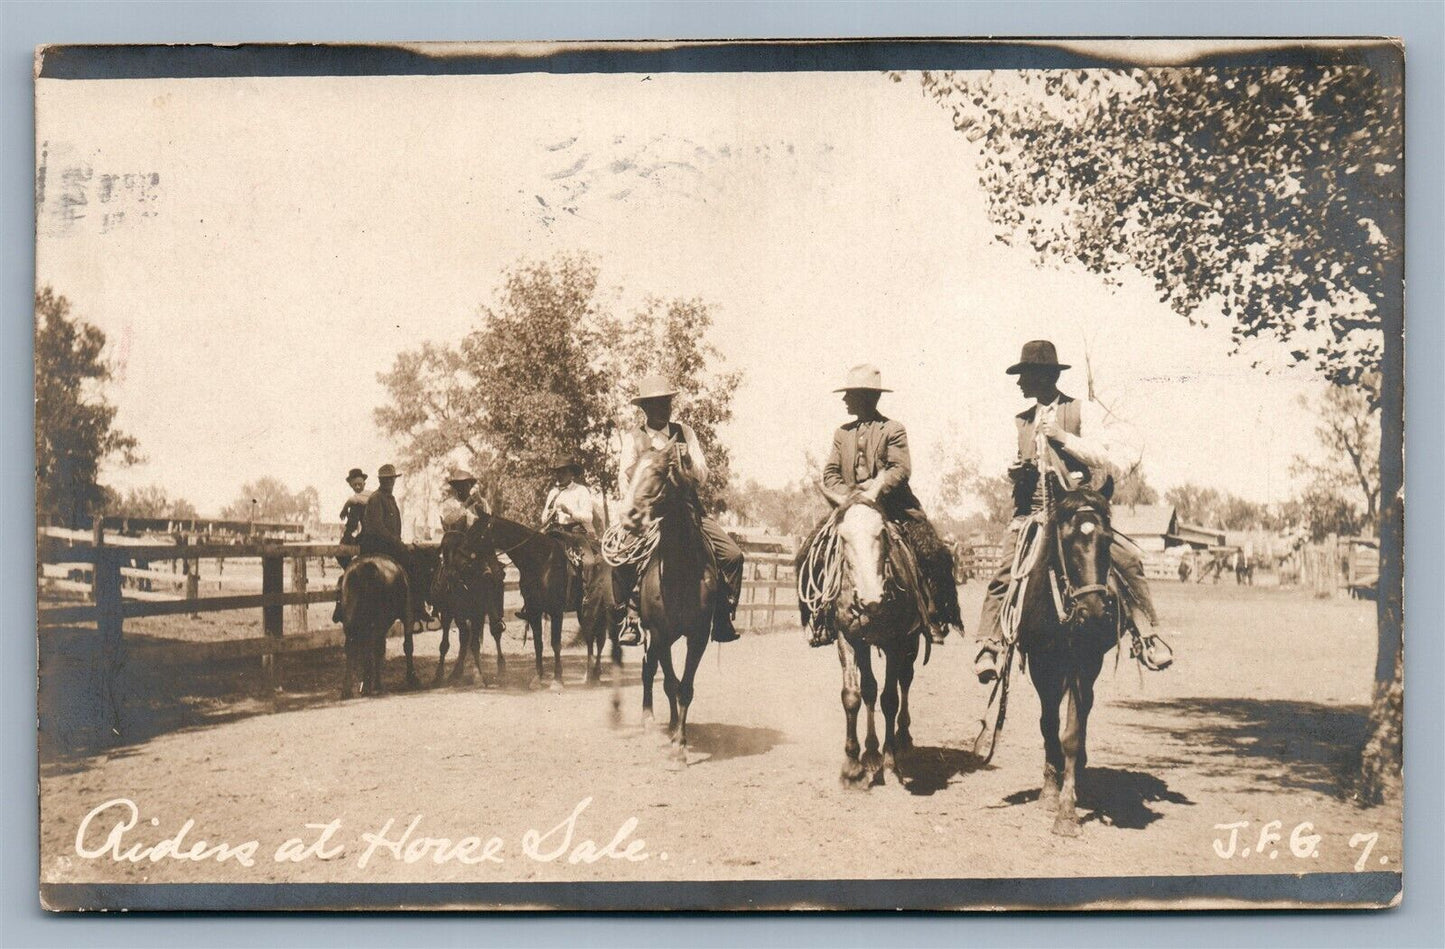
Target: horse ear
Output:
[(1108, 489)]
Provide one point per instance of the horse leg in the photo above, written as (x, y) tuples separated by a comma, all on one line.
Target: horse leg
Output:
[(350, 664), (446, 645), (406, 646), (1066, 823), (649, 673), (872, 761), (696, 646), (376, 662), (479, 629), (903, 737), (890, 709), (853, 773), (465, 635), (534, 624), (1041, 670), (557, 651), (669, 685)]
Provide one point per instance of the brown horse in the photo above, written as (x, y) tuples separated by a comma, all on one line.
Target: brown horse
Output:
[(469, 593), (878, 604), (374, 595), (551, 587), (677, 588), (1068, 619)]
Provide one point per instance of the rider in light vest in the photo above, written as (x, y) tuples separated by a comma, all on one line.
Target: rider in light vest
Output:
[(656, 432), (1058, 418), (351, 514)]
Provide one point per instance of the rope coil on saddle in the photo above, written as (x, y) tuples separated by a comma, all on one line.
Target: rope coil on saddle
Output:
[(621, 547), (820, 574)]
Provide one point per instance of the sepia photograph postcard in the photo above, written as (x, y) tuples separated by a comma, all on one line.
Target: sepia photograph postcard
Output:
[(720, 476)]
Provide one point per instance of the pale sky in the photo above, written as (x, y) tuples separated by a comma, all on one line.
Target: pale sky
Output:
[(300, 232)]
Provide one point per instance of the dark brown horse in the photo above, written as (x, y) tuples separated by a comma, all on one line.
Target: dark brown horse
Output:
[(677, 587), (551, 587), (374, 595), (468, 593), (878, 603), (1067, 621)]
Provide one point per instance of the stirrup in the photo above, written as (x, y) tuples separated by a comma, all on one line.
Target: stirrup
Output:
[(1156, 655), (631, 633), (820, 633), (988, 670)]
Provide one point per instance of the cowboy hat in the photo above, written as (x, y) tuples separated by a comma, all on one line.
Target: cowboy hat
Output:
[(460, 474), (653, 387), (564, 462), (387, 471), (355, 473), (864, 376), (1037, 353)]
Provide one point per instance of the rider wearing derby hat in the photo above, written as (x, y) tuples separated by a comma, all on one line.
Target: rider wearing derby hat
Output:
[(656, 432), (870, 457), (1058, 418), (351, 514)]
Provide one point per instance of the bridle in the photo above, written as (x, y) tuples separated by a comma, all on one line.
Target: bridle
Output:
[(1066, 593)]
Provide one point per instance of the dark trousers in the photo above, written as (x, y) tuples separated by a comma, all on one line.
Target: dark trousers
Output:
[(725, 551)]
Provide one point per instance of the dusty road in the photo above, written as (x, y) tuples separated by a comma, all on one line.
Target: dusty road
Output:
[(1254, 724)]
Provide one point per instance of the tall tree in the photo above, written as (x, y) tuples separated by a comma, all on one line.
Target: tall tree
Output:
[(1273, 194), (75, 430), (1349, 434), (268, 499), (546, 373)]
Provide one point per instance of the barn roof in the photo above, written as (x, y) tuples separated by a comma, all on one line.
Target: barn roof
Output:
[(1144, 520)]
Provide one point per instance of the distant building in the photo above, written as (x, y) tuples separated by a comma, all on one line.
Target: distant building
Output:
[(1152, 527)]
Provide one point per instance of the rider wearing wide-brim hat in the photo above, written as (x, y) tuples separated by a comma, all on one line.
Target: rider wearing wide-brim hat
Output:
[(1054, 420), (869, 457), (658, 431), (570, 507)]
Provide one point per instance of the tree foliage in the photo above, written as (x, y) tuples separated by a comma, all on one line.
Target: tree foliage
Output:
[(75, 430), (1275, 193), (151, 501), (547, 372), (274, 502), (1349, 463)]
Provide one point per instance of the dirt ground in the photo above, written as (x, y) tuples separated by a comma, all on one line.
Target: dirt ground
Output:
[(1254, 723)]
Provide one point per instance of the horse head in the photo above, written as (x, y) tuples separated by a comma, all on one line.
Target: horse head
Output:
[(657, 484), (1084, 537), (863, 543)]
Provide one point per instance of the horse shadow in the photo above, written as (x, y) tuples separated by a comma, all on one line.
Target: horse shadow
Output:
[(926, 770), (1115, 796), (722, 742)]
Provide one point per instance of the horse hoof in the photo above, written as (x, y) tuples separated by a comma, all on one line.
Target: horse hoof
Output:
[(677, 758), (412, 682), (853, 774), (535, 684), (1064, 827), (872, 762), (556, 686)]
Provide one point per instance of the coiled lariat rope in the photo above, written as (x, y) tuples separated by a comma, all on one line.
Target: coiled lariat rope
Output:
[(621, 547), (820, 575)]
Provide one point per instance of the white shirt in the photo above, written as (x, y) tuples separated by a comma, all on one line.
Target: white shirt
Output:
[(1102, 439), (572, 504), (627, 458)]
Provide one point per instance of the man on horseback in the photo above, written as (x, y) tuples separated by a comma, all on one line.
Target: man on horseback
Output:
[(656, 433), (1058, 418), (569, 511), (459, 511), (870, 457), (351, 514), (381, 530)]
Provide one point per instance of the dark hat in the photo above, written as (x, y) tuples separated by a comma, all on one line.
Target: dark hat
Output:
[(864, 376), (1037, 353), (355, 473), (387, 471), (564, 462), (460, 474), (653, 387)]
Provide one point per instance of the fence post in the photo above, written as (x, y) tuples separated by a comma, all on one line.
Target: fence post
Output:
[(773, 598), (97, 537), (109, 619), (298, 584), (272, 614)]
